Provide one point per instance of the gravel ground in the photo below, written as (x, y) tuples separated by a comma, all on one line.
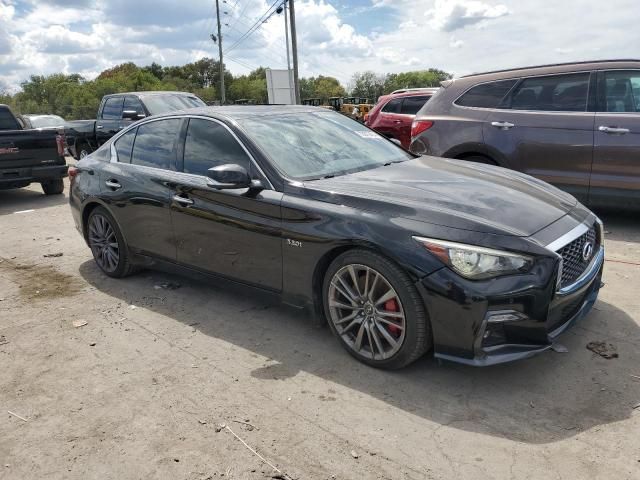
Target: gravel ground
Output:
[(125, 379)]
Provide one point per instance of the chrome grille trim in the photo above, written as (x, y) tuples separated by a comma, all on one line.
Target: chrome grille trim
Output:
[(568, 237), (572, 270)]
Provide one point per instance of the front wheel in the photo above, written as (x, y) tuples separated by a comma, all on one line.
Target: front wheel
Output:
[(375, 310), (107, 244), (53, 187)]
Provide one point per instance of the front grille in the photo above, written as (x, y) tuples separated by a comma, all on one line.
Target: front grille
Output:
[(573, 263)]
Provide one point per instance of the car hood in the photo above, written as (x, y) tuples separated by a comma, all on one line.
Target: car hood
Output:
[(452, 193)]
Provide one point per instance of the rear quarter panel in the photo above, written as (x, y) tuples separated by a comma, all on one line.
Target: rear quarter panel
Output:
[(453, 125)]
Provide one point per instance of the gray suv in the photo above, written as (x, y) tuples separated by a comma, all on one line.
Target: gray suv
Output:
[(576, 126)]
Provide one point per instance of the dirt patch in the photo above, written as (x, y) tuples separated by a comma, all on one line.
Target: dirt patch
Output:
[(37, 282)]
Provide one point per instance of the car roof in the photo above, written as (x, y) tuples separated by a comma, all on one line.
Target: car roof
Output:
[(151, 92), (413, 91), (555, 68), (236, 112)]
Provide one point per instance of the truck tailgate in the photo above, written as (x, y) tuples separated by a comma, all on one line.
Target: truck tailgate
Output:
[(29, 148)]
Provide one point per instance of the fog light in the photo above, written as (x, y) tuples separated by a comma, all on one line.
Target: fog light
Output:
[(494, 335), (500, 317)]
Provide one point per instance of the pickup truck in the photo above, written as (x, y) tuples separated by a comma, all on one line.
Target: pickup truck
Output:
[(119, 110), (30, 155)]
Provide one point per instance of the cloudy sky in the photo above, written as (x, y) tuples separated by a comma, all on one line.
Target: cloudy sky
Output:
[(335, 37)]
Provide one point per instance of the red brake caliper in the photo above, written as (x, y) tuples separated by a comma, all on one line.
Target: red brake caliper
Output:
[(392, 306)]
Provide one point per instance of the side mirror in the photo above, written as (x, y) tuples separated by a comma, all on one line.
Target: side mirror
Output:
[(132, 115), (231, 176)]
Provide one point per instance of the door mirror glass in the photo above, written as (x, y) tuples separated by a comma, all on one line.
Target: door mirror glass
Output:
[(132, 115), (229, 176)]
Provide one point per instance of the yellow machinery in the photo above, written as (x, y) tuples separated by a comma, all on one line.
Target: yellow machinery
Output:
[(348, 104)]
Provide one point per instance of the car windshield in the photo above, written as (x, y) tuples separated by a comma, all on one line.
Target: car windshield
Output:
[(157, 104), (46, 121), (311, 145)]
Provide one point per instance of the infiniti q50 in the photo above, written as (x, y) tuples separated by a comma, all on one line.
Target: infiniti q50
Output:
[(400, 254)]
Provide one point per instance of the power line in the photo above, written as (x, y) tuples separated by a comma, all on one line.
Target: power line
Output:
[(263, 18), (241, 12)]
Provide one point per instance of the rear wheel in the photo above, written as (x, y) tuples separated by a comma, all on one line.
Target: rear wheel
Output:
[(107, 244), (374, 309), (53, 187)]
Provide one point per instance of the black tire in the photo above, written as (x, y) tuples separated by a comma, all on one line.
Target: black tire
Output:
[(123, 266), (417, 337), (53, 187)]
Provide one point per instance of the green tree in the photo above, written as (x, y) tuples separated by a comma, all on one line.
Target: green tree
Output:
[(368, 84), (416, 79)]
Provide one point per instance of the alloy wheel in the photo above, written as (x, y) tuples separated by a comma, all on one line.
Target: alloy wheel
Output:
[(366, 311), (104, 243)]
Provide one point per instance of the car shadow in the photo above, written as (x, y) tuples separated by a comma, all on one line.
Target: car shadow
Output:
[(539, 400), (20, 199)]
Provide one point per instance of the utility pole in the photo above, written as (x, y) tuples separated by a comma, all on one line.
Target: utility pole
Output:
[(222, 95), (292, 95), (294, 50)]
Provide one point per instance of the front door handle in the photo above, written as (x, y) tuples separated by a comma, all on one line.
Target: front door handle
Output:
[(113, 184), (397, 121), (182, 200), (613, 130), (502, 125), (99, 127)]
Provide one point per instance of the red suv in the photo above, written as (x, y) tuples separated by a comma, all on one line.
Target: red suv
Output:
[(393, 114)]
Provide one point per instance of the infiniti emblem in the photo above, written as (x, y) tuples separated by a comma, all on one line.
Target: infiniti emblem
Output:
[(587, 251)]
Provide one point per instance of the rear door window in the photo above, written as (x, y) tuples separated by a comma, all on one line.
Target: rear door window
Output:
[(155, 144), (622, 91), (7, 120), (209, 144), (112, 108), (393, 106), (411, 105), (124, 145), (487, 95), (554, 93), (132, 103)]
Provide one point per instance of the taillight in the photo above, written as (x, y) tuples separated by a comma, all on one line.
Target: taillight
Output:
[(419, 126), (60, 144), (73, 172)]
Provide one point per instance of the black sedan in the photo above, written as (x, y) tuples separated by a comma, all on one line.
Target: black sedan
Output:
[(400, 254)]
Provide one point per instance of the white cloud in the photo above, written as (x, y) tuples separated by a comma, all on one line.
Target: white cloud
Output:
[(59, 39), (450, 15), (460, 36)]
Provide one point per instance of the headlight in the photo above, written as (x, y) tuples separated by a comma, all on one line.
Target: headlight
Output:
[(476, 262)]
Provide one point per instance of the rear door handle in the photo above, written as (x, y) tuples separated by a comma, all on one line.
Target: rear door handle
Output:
[(113, 184), (99, 127), (182, 200), (613, 130), (502, 125), (397, 121)]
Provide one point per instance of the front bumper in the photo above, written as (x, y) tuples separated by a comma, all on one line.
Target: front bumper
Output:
[(23, 176), (504, 319)]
